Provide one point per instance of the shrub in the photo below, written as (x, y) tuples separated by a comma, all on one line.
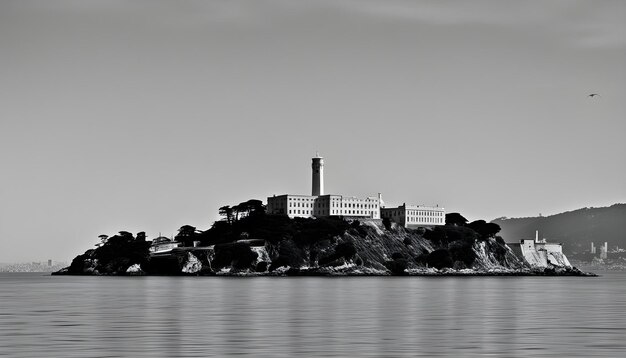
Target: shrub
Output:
[(437, 236), (484, 229), (278, 262), (119, 252), (462, 251), (460, 233), (261, 266), (421, 259), (345, 249), (397, 267), (289, 254), (387, 223), (455, 219), (439, 259), (238, 254), (78, 264)]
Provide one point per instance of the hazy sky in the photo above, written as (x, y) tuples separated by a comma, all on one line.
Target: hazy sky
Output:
[(148, 115)]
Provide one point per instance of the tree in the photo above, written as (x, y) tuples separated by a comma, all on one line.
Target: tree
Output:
[(484, 229), (227, 212), (103, 239), (345, 249), (254, 207), (238, 209), (186, 235), (455, 219), (439, 259), (186, 230), (437, 235), (478, 226), (247, 208), (491, 229), (126, 235), (141, 236)]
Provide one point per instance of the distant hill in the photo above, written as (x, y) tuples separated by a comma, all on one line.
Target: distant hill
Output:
[(575, 229)]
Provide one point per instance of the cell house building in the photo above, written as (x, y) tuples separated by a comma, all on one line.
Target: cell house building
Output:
[(319, 204)]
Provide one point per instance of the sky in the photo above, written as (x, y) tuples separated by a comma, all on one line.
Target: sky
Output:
[(149, 115)]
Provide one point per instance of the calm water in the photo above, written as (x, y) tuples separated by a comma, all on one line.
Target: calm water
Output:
[(55, 316)]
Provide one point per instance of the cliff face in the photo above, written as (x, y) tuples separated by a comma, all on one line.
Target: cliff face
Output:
[(366, 248)]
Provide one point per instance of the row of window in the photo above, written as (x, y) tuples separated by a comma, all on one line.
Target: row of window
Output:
[(333, 212), (412, 212), (413, 219), (424, 213), (318, 205)]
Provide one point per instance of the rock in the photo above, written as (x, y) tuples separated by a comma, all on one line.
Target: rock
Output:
[(135, 270), (193, 265)]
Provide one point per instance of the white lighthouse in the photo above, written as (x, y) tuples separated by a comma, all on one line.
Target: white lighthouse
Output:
[(317, 171)]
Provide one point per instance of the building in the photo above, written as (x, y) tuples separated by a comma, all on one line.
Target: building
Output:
[(162, 245), (306, 206), (540, 253), (604, 249), (413, 216), (319, 204)]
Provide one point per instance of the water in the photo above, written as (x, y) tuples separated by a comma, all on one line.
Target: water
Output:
[(61, 316)]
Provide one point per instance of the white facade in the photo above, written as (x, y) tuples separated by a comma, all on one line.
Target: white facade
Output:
[(306, 206), (162, 245), (319, 204), (415, 215), (540, 253)]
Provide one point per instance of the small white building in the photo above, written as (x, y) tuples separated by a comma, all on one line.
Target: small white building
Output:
[(540, 253), (162, 245), (413, 216)]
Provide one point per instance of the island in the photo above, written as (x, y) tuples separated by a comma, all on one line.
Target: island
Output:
[(326, 234), (254, 243)]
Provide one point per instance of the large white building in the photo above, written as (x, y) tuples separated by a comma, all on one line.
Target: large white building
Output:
[(320, 204)]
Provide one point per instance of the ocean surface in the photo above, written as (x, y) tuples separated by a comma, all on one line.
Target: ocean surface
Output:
[(70, 316)]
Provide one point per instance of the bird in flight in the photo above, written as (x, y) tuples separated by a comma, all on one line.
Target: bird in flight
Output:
[(593, 95)]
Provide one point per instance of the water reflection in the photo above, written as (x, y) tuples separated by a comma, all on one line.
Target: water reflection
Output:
[(303, 317)]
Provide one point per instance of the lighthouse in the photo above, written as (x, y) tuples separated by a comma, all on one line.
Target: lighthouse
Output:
[(317, 170)]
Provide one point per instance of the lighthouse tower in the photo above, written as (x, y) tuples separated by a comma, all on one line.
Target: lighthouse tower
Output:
[(317, 167)]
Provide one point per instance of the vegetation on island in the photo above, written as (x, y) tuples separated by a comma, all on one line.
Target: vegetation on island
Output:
[(294, 246)]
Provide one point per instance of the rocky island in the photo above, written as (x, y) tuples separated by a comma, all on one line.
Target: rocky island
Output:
[(326, 234), (253, 243)]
